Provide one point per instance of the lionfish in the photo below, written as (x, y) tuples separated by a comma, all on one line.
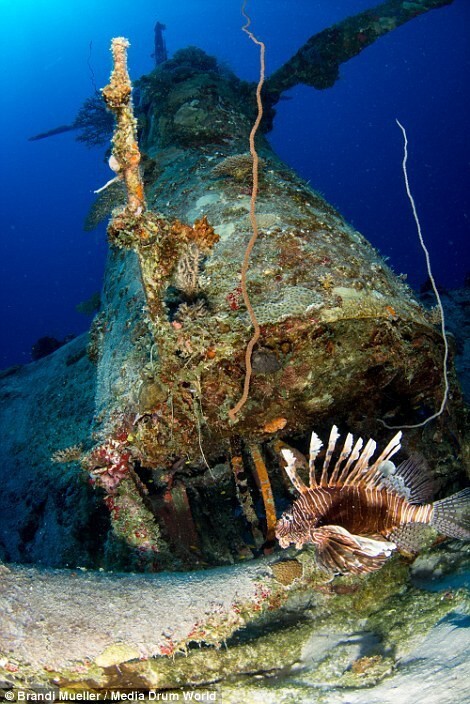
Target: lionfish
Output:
[(357, 514)]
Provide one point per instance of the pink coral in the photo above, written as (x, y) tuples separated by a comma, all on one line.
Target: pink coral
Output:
[(108, 464)]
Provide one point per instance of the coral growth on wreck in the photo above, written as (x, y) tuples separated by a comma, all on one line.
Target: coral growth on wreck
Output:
[(336, 327)]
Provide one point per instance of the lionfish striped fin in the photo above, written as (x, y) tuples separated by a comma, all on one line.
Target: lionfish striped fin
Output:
[(315, 447), (291, 471), (338, 550), (369, 474), (410, 537), (352, 466), (355, 452), (392, 448), (362, 462), (345, 453), (377, 476), (334, 435), (411, 479), (451, 516)]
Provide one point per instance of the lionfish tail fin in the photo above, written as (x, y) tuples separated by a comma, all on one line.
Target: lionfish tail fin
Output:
[(451, 516), (340, 551)]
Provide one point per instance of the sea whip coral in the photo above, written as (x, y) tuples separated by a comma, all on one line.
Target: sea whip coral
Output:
[(254, 193)]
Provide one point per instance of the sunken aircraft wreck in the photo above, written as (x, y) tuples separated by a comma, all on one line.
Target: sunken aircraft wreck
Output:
[(239, 311)]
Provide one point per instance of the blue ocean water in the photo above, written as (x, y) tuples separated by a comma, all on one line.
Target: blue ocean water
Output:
[(343, 140)]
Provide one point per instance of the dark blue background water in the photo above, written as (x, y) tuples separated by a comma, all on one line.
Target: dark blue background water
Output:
[(343, 140)]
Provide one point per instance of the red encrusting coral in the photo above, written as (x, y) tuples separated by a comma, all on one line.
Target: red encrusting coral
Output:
[(108, 464)]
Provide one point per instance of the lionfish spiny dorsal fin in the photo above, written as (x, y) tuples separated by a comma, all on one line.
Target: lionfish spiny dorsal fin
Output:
[(291, 471), (369, 474), (355, 452), (345, 453), (315, 447), (391, 449), (411, 479), (362, 463), (354, 458), (375, 473), (334, 435)]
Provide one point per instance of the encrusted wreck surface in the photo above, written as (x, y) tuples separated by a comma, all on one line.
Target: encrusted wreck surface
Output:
[(339, 330), (341, 336), (338, 327)]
